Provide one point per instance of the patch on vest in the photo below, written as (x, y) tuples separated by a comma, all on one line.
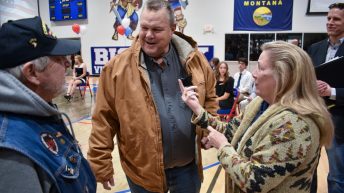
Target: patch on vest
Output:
[(49, 142)]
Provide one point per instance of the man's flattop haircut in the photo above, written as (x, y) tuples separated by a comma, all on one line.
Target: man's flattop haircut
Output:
[(156, 5), (337, 5), (243, 60)]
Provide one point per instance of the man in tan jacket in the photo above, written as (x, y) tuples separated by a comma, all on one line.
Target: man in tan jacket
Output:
[(139, 102)]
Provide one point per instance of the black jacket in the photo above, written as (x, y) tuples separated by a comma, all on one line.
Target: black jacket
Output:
[(317, 52)]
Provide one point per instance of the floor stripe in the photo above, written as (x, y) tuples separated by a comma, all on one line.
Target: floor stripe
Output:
[(80, 119), (87, 123), (123, 191), (211, 165), (213, 181)]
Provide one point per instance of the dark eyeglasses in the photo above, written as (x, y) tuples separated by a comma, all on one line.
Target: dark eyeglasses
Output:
[(336, 5)]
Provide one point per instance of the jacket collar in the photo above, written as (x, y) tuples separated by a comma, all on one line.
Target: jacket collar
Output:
[(247, 129)]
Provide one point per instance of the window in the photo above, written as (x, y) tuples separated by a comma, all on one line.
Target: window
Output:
[(294, 38), (256, 41), (248, 45), (236, 46)]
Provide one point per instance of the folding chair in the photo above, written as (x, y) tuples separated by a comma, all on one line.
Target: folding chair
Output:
[(84, 86), (234, 110)]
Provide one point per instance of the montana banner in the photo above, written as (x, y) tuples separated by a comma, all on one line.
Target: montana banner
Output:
[(263, 15)]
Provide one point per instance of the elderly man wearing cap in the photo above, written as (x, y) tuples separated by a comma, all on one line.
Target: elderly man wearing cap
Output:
[(37, 152)]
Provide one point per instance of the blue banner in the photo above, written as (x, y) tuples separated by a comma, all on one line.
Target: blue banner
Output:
[(263, 15), (101, 55)]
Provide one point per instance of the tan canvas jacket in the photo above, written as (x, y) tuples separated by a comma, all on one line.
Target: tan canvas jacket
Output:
[(125, 108)]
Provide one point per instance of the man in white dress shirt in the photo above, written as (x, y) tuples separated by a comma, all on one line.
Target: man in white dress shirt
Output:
[(243, 80)]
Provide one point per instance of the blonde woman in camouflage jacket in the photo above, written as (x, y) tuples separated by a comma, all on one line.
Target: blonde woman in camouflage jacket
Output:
[(275, 145)]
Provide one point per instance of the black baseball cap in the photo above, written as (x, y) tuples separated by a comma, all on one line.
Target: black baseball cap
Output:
[(24, 40)]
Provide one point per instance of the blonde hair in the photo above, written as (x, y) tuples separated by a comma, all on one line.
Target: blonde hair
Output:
[(296, 85), (79, 58)]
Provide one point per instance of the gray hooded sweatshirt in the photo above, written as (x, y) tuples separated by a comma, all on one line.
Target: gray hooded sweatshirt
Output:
[(18, 173)]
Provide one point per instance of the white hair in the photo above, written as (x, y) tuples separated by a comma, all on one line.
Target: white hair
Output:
[(39, 64)]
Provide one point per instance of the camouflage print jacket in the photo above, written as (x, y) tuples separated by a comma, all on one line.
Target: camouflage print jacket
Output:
[(276, 153)]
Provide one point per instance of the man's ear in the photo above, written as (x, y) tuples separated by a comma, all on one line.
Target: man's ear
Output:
[(29, 74)]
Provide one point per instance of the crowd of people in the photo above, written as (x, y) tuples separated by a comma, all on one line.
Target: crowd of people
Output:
[(160, 121)]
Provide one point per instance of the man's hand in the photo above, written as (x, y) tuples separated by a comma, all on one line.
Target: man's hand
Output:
[(108, 184), (324, 89)]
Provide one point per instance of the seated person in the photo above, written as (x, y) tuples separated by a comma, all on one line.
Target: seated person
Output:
[(224, 88), (79, 76)]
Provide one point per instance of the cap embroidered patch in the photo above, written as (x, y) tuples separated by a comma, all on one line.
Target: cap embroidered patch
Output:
[(49, 142), (33, 42), (47, 31), (58, 134), (62, 141)]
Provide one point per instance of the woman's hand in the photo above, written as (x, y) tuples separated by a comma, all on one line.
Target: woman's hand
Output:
[(205, 143), (189, 96), (214, 139)]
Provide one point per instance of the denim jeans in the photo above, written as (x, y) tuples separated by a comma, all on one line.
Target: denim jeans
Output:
[(335, 177), (183, 179)]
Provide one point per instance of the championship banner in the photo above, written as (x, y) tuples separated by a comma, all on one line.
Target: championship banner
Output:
[(263, 15), (101, 55)]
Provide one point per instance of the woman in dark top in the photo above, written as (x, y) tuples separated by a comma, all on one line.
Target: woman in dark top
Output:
[(224, 88), (79, 76)]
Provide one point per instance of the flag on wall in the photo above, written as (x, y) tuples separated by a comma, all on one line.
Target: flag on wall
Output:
[(263, 15), (17, 9)]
